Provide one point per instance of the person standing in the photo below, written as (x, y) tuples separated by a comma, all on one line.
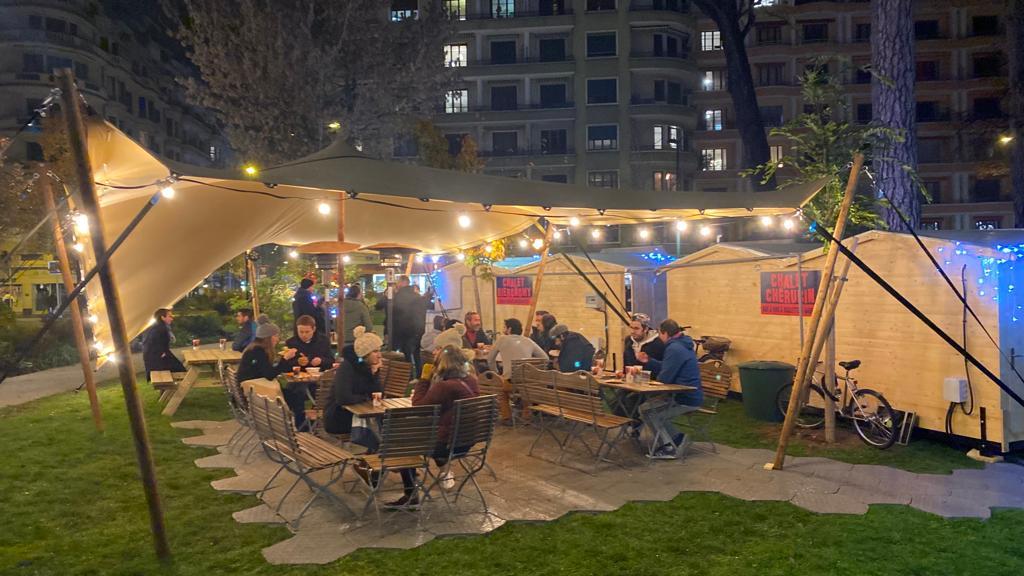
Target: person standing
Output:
[(156, 344), (410, 310), (574, 351), (679, 366), (356, 313), (303, 302), (246, 330)]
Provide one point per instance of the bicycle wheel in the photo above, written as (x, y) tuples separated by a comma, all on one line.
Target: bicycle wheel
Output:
[(812, 412), (873, 418)]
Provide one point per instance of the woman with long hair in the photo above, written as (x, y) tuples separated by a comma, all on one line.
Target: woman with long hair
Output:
[(260, 359)]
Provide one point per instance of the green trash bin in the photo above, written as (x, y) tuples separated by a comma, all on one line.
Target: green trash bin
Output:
[(761, 381)]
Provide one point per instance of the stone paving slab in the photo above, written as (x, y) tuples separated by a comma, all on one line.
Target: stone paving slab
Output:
[(526, 488)]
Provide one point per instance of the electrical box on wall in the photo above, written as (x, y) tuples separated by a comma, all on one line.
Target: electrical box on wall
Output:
[(954, 389), (593, 301)]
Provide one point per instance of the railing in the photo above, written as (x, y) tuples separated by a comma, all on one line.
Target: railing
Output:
[(680, 6), (520, 152), (683, 55), (512, 108), (492, 15), (638, 101), (534, 60)]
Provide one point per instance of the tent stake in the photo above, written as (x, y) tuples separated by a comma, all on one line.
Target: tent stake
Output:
[(118, 331), (804, 365), (78, 326)]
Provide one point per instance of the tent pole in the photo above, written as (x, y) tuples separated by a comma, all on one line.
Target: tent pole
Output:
[(78, 326), (250, 271), (118, 331), (408, 266), (805, 365), (339, 320), (540, 274), (830, 378)]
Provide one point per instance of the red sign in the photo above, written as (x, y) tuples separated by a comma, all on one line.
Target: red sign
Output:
[(515, 290), (782, 293)]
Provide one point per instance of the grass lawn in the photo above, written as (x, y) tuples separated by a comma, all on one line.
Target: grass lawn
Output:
[(734, 428), (70, 504)]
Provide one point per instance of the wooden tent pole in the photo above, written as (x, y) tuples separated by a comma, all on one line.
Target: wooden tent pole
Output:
[(805, 365), (78, 325), (408, 266), (339, 320), (830, 378), (540, 275), (70, 105), (250, 268)]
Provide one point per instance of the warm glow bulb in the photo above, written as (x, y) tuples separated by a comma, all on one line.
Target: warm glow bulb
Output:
[(98, 346), (464, 221), (167, 192), (557, 235), (460, 256), (419, 258), (323, 208), (523, 243), (644, 233), (81, 224), (595, 233), (574, 221), (250, 170), (787, 224), (766, 221), (488, 248), (93, 319), (293, 254), (78, 247), (346, 259), (334, 125), (538, 243), (705, 231), (681, 225), (1005, 139)]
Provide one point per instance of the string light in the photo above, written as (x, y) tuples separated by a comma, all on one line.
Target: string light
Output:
[(1005, 139), (251, 170), (78, 247), (293, 254), (523, 243), (465, 221), (346, 259), (93, 319), (644, 233), (681, 225), (574, 221), (334, 125), (488, 248), (167, 192), (460, 256), (595, 233), (705, 231), (767, 221), (557, 235), (323, 208), (538, 243), (81, 224), (788, 224), (419, 258)]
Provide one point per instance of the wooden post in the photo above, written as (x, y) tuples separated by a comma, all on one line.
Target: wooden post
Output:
[(119, 333), (830, 384), (250, 269), (339, 320), (804, 366), (408, 265), (78, 325), (540, 274)]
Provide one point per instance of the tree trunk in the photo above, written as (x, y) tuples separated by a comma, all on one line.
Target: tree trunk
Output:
[(744, 100), (892, 98), (1015, 52)]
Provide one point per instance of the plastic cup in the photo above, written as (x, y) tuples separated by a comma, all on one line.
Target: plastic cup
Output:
[(223, 344), (378, 398), (195, 344)]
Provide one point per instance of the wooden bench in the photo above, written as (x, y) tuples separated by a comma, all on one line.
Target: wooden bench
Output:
[(165, 382)]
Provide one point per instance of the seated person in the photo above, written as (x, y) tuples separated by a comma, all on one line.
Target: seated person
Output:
[(246, 330), (260, 359), (574, 351), (427, 341), (156, 344), (475, 336), (542, 325), (312, 350), (642, 338), (511, 346), (356, 380), (679, 366)]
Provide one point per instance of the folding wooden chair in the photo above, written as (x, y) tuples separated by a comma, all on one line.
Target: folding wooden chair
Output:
[(493, 383), (238, 404), (715, 381), (396, 381), (472, 432)]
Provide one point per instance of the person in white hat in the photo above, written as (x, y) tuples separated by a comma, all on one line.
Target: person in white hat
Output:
[(356, 380)]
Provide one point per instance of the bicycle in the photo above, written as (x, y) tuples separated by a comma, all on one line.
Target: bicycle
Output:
[(872, 415), (714, 347)]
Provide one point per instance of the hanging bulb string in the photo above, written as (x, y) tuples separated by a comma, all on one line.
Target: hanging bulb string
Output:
[(80, 287)]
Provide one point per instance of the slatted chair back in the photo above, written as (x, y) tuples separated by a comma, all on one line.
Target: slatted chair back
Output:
[(536, 392), (259, 409), (281, 424), (474, 421), (396, 382), (385, 366), (531, 373), (234, 389), (577, 394), (409, 432), (519, 368), (715, 378), (491, 383)]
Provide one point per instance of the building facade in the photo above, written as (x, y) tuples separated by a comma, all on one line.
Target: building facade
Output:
[(126, 66), (632, 93)]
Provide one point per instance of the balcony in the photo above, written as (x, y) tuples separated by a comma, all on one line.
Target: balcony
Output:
[(684, 55), (519, 14), (46, 37), (677, 6)]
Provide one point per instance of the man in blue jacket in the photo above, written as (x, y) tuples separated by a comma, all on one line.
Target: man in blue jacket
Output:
[(679, 366)]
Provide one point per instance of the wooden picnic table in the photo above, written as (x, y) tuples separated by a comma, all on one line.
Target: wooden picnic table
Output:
[(644, 388), (368, 410), (195, 360)]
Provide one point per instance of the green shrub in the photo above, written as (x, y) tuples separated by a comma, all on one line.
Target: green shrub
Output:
[(202, 325)]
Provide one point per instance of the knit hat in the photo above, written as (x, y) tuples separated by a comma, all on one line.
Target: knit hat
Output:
[(263, 319), (450, 337), (365, 342), (558, 330), (267, 329)]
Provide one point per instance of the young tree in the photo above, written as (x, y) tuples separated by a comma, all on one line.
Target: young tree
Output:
[(1015, 52), (893, 106), (735, 19), (279, 72), (434, 150)]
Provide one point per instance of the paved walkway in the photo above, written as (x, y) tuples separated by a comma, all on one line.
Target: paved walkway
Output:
[(531, 488)]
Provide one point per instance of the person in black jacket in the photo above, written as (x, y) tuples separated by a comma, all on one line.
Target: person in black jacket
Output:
[(312, 350), (356, 380), (410, 319), (574, 351), (303, 302), (260, 359), (246, 330), (156, 344), (543, 322)]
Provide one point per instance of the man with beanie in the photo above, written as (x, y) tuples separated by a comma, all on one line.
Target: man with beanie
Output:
[(574, 351), (303, 302)]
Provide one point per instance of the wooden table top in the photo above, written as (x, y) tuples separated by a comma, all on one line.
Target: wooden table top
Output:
[(291, 377), (367, 409), (212, 356), (648, 388)]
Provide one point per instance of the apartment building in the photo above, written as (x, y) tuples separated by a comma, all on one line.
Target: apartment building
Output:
[(963, 157), (632, 93), (126, 66)]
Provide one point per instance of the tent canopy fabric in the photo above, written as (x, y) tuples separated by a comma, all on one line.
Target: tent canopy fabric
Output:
[(217, 214)]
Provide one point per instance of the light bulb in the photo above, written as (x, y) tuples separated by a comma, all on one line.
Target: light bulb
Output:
[(419, 258), (323, 208), (644, 233), (81, 224), (574, 221), (705, 231), (98, 346), (464, 221), (595, 233), (538, 243), (460, 256), (167, 192), (78, 247), (787, 224), (293, 254), (250, 170), (435, 258), (112, 358), (334, 125), (681, 225), (488, 248), (523, 243), (93, 319), (766, 221), (557, 235), (346, 259)]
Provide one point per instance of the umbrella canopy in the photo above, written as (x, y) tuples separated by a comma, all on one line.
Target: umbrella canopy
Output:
[(218, 214)]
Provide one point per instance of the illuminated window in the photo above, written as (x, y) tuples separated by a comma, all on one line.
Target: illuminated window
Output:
[(713, 80), (456, 101), (712, 159), (603, 179), (603, 137), (665, 181), (456, 55), (666, 137), (710, 40), (713, 120), (456, 9)]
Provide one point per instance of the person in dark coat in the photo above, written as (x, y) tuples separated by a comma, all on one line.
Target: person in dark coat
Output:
[(260, 359), (475, 335), (543, 322), (156, 344), (642, 338), (303, 302), (574, 351), (356, 380), (312, 350), (679, 366), (246, 330), (410, 319)]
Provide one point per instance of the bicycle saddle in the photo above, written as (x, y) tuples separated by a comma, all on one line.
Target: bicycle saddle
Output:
[(851, 365)]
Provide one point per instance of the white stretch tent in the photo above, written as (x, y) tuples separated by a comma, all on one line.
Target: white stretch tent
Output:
[(218, 214)]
